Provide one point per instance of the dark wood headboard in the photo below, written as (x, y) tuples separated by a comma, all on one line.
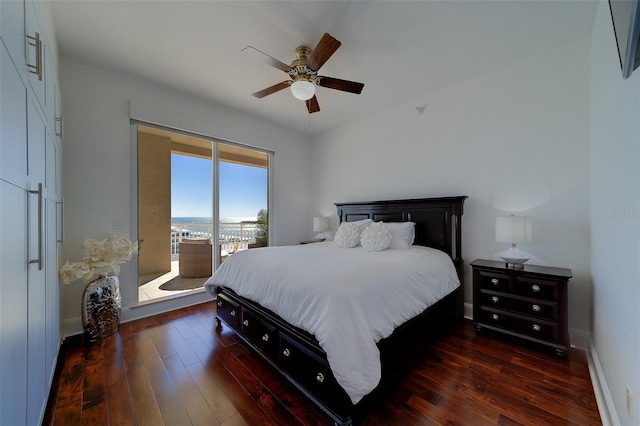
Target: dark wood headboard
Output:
[(438, 220)]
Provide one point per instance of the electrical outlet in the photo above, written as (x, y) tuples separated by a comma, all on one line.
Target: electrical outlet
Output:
[(117, 224), (629, 403)]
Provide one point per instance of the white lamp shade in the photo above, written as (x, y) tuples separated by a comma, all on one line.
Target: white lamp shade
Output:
[(514, 230), (320, 224), (303, 90)]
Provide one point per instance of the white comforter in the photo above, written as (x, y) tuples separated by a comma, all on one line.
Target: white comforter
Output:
[(349, 299)]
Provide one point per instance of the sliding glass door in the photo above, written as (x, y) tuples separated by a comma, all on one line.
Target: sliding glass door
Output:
[(199, 201), (243, 199)]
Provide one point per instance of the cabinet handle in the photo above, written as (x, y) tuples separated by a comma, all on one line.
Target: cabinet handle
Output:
[(37, 43), (61, 240), (286, 352), (536, 327), (535, 288), (265, 337), (39, 259), (320, 378), (245, 323), (59, 120), (494, 281), (233, 313), (536, 308), (219, 303), (494, 299), (495, 317)]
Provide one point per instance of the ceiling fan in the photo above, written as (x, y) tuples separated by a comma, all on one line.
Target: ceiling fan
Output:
[(304, 72)]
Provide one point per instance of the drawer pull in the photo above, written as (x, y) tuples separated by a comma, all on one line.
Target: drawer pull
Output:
[(219, 303), (495, 317), (494, 299), (535, 288), (245, 323), (286, 352), (265, 337), (536, 308), (536, 327), (494, 281), (232, 313), (320, 378)]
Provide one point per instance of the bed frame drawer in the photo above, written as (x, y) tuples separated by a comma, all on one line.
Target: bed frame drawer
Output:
[(228, 311), (308, 369), (260, 332)]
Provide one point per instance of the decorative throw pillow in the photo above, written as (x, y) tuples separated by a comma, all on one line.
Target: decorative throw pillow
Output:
[(402, 233), (348, 235), (375, 237)]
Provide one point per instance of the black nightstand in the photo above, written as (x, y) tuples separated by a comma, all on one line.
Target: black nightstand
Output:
[(529, 303)]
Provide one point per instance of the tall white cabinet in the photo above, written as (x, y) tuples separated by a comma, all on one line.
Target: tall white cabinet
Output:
[(30, 213)]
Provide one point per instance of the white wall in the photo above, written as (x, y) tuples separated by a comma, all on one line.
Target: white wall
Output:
[(97, 167), (615, 228), (514, 140)]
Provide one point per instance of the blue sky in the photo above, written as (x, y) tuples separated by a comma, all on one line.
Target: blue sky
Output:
[(243, 189)]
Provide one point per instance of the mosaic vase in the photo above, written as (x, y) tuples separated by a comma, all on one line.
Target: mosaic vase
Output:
[(101, 306)]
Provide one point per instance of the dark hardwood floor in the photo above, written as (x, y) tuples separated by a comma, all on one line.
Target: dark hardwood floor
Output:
[(178, 369)]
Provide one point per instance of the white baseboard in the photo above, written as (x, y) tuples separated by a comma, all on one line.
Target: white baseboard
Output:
[(468, 310), (73, 326), (579, 339), (606, 408)]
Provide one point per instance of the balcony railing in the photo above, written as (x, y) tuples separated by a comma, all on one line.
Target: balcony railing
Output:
[(234, 236)]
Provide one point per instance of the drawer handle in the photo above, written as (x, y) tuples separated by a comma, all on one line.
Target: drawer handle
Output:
[(286, 352), (536, 308), (320, 378), (245, 323), (265, 337), (535, 288), (233, 313), (494, 281), (495, 317), (219, 303), (494, 299), (536, 327)]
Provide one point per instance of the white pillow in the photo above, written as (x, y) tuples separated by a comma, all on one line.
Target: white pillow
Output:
[(362, 223), (375, 237), (347, 236), (402, 234)]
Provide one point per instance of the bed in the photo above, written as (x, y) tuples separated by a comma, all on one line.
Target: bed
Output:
[(335, 342)]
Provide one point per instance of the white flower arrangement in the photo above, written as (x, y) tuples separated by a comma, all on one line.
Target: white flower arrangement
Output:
[(100, 258)]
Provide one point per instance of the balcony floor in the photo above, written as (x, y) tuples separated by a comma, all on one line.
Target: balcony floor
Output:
[(151, 290)]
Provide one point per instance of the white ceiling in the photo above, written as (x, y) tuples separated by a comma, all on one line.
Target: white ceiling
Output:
[(400, 50)]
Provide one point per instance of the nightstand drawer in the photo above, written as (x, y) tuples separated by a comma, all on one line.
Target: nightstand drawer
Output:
[(538, 309), (539, 329), (539, 289), (495, 282)]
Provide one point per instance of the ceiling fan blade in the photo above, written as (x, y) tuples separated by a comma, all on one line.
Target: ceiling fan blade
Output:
[(266, 58), (337, 84), (326, 47), (273, 89), (312, 105)]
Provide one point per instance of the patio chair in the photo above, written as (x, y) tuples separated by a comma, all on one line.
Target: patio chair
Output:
[(195, 257)]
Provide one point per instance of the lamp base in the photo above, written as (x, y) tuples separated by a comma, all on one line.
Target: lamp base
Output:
[(514, 258)]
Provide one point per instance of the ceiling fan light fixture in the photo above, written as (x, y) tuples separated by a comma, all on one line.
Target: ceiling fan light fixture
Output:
[(303, 90)]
